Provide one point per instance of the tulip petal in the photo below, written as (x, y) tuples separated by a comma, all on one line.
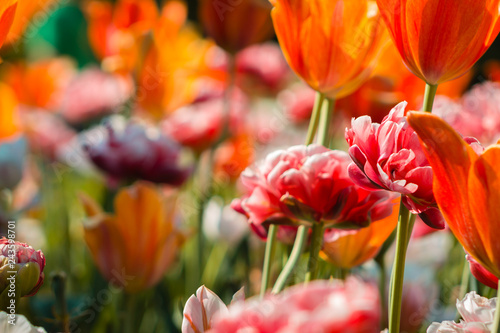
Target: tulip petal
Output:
[(451, 159), (484, 196)]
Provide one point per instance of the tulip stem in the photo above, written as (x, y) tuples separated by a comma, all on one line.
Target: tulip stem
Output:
[(397, 276), (266, 270), (313, 124), (430, 94), (496, 320), (324, 123), (298, 248), (315, 247)]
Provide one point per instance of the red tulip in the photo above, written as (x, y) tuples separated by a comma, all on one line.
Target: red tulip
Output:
[(482, 274), (440, 40), (7, 13), (466, 187)]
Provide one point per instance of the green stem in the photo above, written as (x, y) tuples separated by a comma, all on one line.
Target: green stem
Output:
[(131, 322), (398, 269), (266, 270), (430, 94), (496, 320), (313, 124), (315, 247), (297, 249), (382, 287), (464, 285), (324, 122)]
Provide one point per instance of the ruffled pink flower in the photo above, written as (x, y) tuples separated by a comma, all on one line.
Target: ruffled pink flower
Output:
[(26, 263), (320, 306), (132, 151), (389, 156), (201, 124), (482, 274), (93, 94), (305, 185), (477, 313)]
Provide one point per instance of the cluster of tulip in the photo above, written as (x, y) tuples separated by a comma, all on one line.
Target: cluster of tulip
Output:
[(158, 162)]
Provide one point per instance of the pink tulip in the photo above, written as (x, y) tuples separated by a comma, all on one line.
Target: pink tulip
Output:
[(297, 103), (477, 313), (93, 94), (201, 309), (389, 156), (320, 306), (201, 124), (305, 185)]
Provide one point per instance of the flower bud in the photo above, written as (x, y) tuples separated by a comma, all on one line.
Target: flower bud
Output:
[(21, 271)]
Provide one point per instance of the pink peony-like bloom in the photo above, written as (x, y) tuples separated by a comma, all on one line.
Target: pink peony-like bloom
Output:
[(482, 274), (320, 306), (305, 185), (22, 261), (93, 94), (389, 156), (133, 151), (477, 313)]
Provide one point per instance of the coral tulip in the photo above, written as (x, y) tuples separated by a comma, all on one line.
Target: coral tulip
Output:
[(235, 25), (319, 306), (351, 248), (306, 185), (22, 265), (466, 187), (440, 40), (388, 156), (332, 45), (133, 248), (7, 14)]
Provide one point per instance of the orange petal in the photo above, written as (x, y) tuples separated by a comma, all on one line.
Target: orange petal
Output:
[(484, 196), (7, 14), (451, 159)]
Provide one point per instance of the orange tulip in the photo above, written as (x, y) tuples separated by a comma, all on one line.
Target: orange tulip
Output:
[(466, 187), (40, 84), (440, 40), (348, 249), (134, 247), (392, 82), (26, 12), (235, 25), (115, 32), (331, 44), (8, 109), (174, 61), (7, 14)]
